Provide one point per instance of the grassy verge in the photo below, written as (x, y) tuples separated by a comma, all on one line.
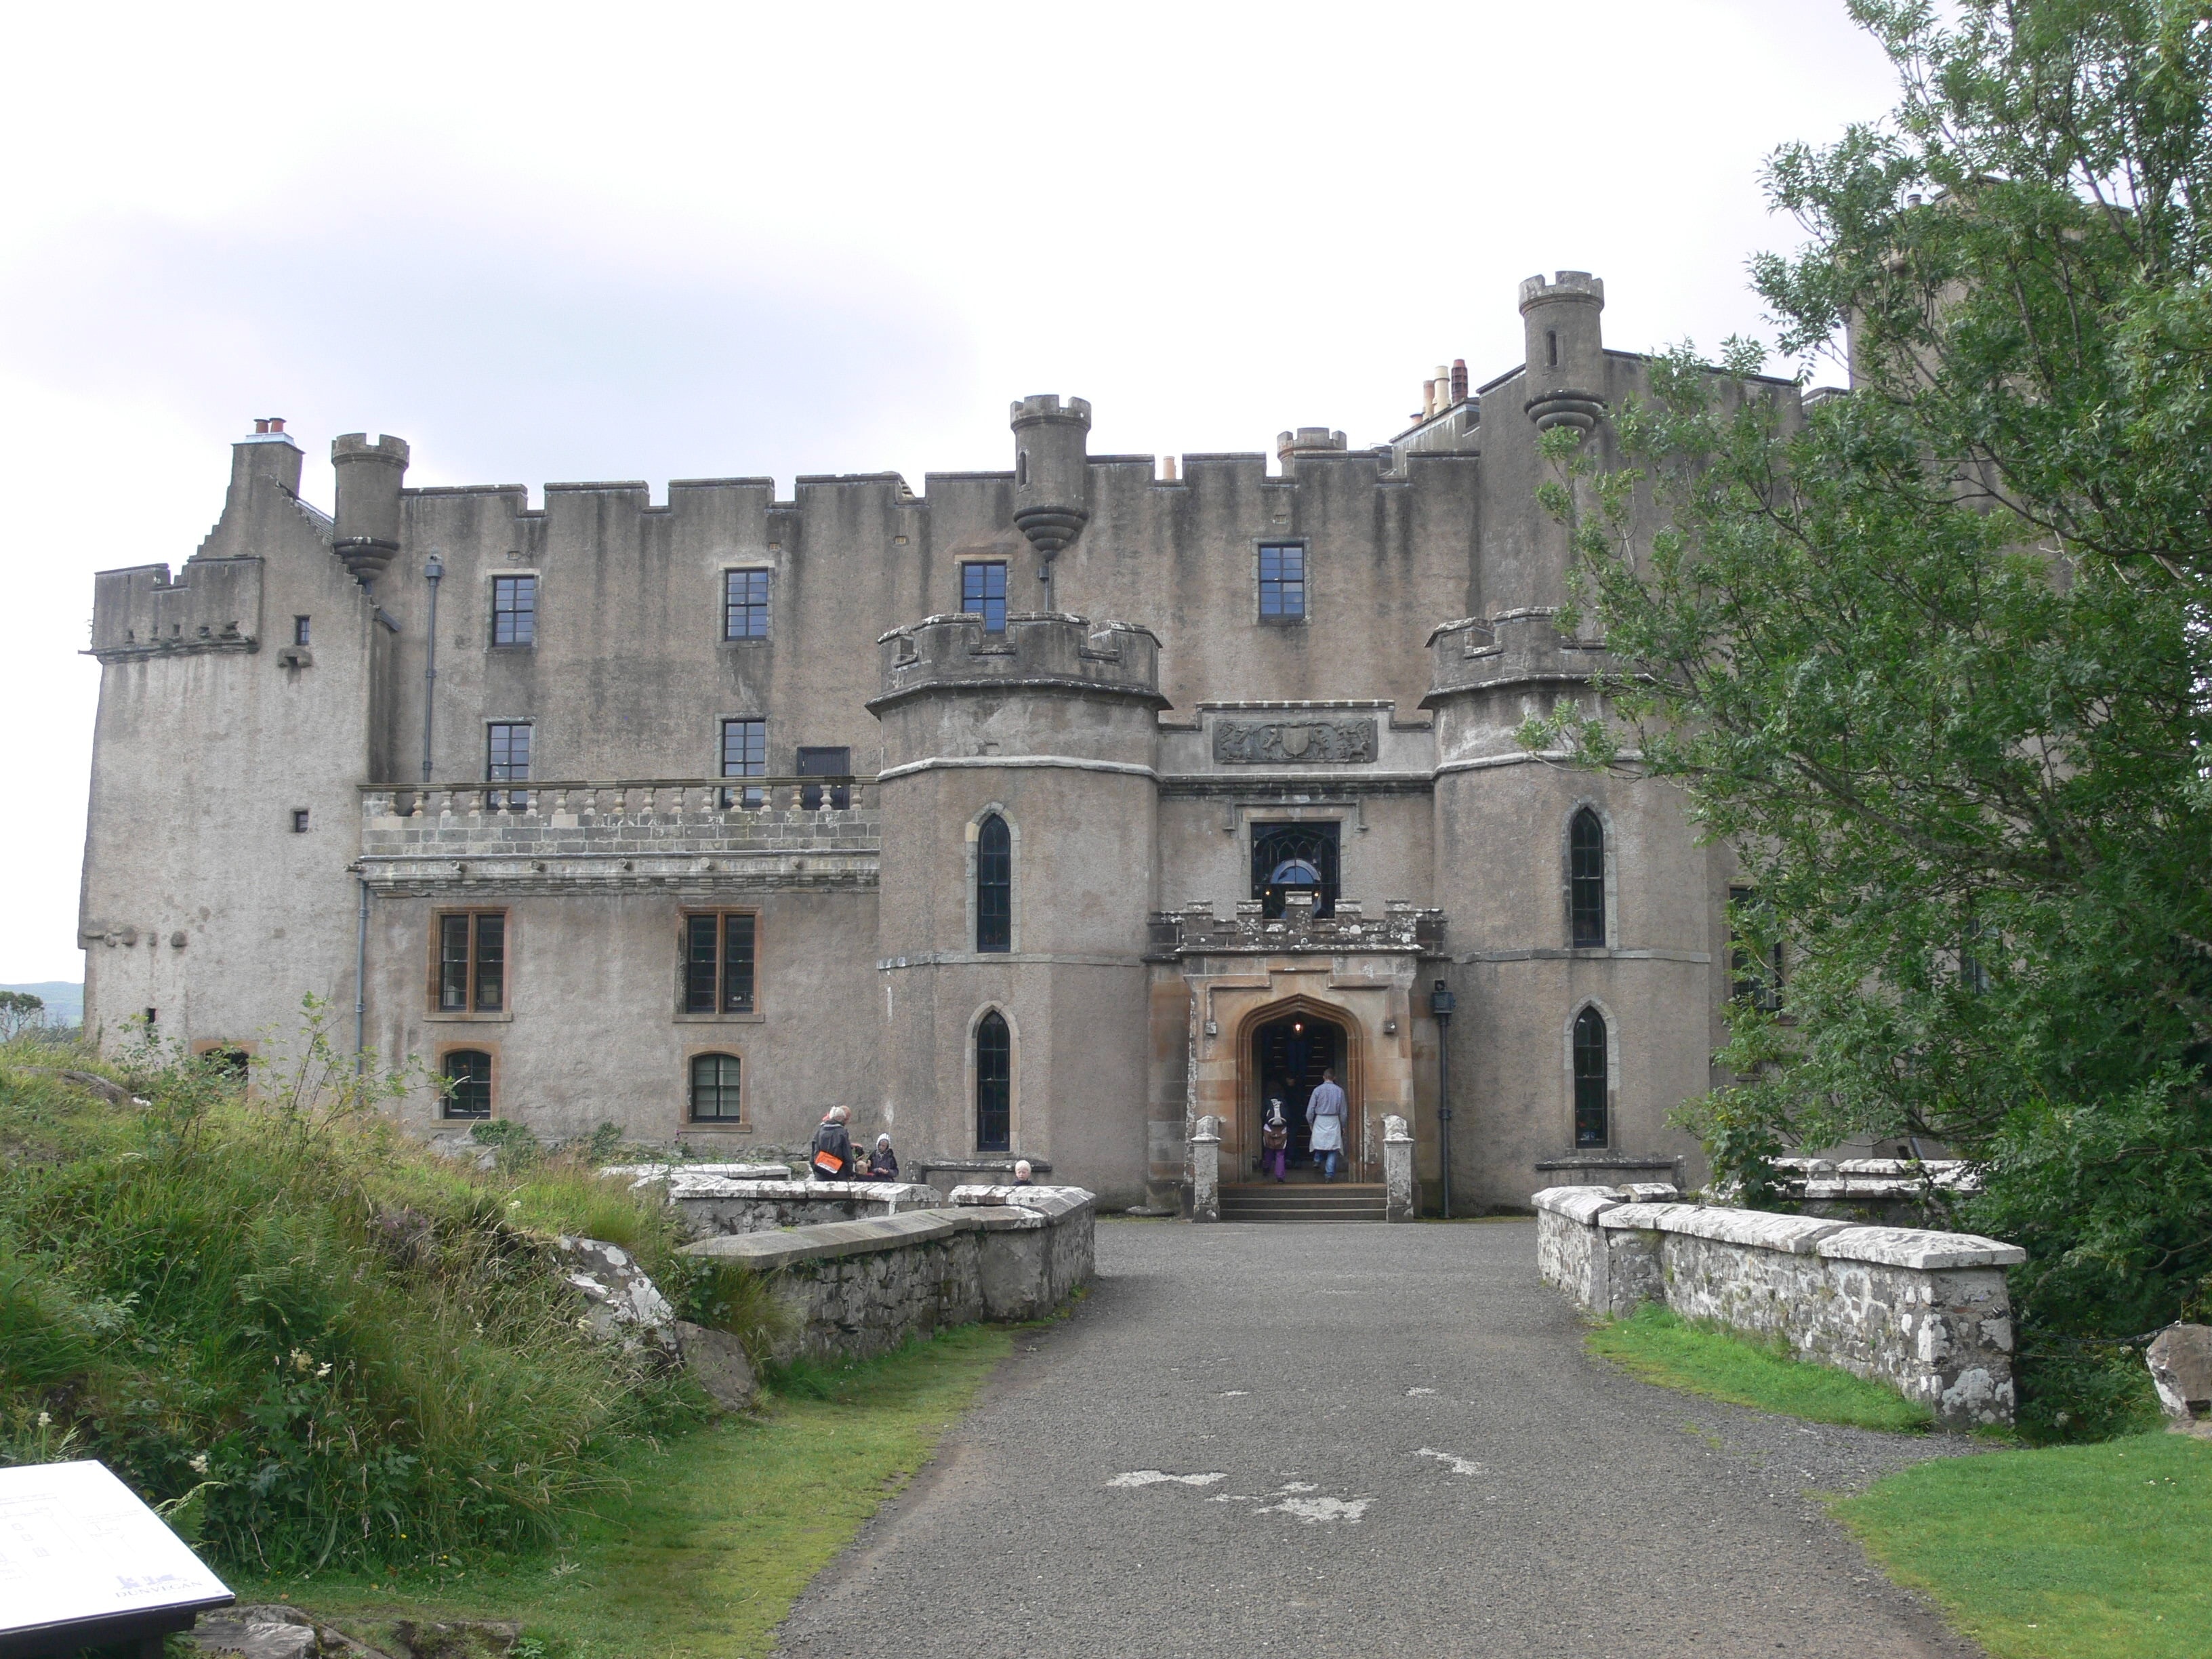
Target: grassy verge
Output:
[(2067, 1552), (712, 1534), (1657, 1345)]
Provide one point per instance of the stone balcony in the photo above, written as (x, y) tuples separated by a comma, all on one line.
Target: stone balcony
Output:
[(1195, 930), (698, 833)]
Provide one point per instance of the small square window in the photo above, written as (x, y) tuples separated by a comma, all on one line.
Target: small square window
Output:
[(467, 1084), (1282, 582), (715, 1093), (745, 604), (299, 820), (514, 610), (983, 592), (299, 631)]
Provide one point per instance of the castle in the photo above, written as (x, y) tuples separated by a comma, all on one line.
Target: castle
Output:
[(1039, 815)]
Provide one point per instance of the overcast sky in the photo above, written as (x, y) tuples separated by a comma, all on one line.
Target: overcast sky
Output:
[(553, 242)]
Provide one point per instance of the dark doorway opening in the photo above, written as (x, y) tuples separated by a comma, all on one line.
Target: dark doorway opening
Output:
[(1292, 858), (1288, 1056)]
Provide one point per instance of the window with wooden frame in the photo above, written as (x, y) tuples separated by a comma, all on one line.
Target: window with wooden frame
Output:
[(465, 1084), (471, 965), (744, 754), (745, 604), (715, 1096), (1283, 581), (983, 593), (718, 960), (995, 886), (994, 1078), (1755, 977), (1593, 1082), (507, 760), (1586, 880), (515, 609)]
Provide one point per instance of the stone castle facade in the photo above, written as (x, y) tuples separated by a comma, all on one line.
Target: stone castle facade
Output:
[(1039, 814)]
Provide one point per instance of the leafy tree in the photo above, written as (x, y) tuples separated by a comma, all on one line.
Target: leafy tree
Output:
[(1934, 655), (20, 1011)]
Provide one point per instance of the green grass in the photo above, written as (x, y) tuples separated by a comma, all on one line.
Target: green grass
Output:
[(2099, 1552), (1657, 1346), (713, 1534)]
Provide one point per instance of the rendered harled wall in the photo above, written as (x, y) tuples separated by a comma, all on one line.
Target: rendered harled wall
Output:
[(1926, 1312)]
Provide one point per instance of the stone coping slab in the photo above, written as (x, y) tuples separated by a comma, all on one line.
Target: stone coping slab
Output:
[(1582, 1204), (999, 1219), (1790, 1235), (726, 1171), (766, 1251), (899, 1194), (1912, 1247), (1052, 1203)]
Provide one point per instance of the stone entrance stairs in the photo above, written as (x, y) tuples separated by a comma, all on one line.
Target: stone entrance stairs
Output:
[(1302, 1201)]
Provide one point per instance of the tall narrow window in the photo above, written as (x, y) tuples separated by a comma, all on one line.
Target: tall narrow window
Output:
[(1551, 348), (302, 627), (718, 962), (994, 1116), (744, 754), (1592, 1131), (825, 763), (714, 1097), (984, 592), (1282, 582), (745, 604), (468, 1083), (1755, 977), (1586, 879), (995, 886), (473, 962), (507, 760), (515, 609)]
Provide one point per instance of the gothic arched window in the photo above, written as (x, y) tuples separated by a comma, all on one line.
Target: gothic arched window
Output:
[(994, 1085), (995, 886), (1586, 879), (1592, 1082)]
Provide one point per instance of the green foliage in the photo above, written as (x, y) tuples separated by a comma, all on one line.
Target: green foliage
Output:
[(318, 1340), (1935, 658), (1657, 1346), (20, 1011), (2072, 1552)]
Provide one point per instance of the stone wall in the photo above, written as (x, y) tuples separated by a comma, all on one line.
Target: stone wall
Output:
[(1925, 1313), (858, 1288), (722, 1204)]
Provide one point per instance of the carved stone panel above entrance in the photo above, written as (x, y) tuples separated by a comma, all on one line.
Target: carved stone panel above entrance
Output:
[(1278, 742)]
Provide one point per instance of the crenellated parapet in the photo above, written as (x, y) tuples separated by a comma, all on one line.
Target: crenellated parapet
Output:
[(1046, 651), (1195, 930), (1515, 649), (213, 604)]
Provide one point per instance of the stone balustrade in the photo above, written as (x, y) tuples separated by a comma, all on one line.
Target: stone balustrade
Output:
[(1195, 930), (1925, 1313)]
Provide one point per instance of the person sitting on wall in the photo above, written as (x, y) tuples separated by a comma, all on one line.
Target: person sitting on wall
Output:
[(1022, 1173), (882, 1163), (829, 1157), (1325, 1111)]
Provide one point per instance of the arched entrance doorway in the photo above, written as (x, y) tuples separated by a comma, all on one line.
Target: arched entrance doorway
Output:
[(1285, 1050)]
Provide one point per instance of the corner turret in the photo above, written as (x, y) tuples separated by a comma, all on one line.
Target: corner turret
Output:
[(1052, 484), (1565, 350), (369, 476)]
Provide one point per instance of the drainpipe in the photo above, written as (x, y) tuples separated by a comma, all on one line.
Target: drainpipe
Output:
[(433, 573), (361, 984), (1441, 1004)]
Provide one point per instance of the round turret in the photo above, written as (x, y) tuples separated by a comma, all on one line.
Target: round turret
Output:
[(1565, 350), (367, 521), (1052, 486)]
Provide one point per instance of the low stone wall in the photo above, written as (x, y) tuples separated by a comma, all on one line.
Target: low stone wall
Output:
[(1926, 1312), (716, 1203), (862, 1287), (1876, 1192)]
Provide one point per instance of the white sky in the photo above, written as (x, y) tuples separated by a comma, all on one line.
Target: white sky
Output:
[(556, 242)]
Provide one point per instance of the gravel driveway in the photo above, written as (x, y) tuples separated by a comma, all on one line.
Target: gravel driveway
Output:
[(1356, 1440)]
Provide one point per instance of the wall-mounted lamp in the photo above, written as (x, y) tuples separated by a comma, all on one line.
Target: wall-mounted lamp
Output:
[(1389, 1028), (1213, 1029), (1441, 1002)]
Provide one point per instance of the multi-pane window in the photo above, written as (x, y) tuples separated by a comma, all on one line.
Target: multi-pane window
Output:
[(515, 609), (1282, 582), (1295, 858), (744, 754), (825, 763), (745, 604), (467, 1088), (714, 1097), (1586, 879), (301, 629), (994, 1090), (507, 760), (718, 962), (473, 962), (995, 886), (984, 592), (1756, 976), (1591, 1082)]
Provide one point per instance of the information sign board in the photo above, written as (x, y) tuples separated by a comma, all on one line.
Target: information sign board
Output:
[(82, 1561)]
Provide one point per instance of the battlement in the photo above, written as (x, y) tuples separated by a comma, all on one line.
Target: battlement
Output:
[(1047, 406), (386, 448), (1567, 285), (1516, 647), (1044, 651), (214, 605), (1195, 930)]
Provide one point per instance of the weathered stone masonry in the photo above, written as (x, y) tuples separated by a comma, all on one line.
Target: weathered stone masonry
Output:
[(1926, 1312)]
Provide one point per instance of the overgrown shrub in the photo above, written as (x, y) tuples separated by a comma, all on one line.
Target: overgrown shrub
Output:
[(339, 1345)]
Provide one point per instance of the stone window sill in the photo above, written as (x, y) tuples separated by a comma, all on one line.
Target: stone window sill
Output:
[(447, 1016), (754, 1019)]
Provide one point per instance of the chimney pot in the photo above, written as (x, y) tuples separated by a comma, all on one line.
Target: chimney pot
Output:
[(275, 423), (261, 426), (1459, 379)]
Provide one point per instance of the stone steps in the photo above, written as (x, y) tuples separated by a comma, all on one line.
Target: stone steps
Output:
[(1303, 1201)]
